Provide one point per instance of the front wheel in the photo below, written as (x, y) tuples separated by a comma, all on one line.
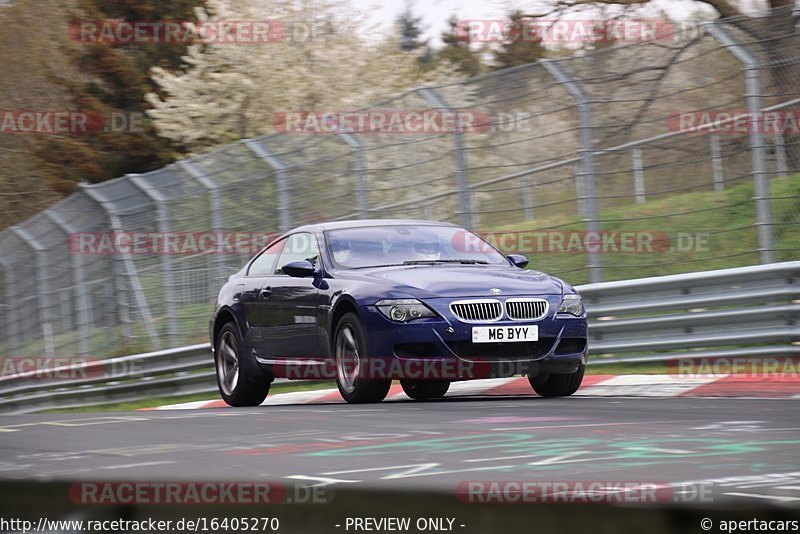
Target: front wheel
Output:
[(557, 385), (349, 348), (236, 387), (425, 389)]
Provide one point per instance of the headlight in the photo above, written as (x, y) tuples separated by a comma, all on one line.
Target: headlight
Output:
[(571, 304), (402, 310)]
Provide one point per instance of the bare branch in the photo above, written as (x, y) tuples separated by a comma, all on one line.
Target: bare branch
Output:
[(723, 7)]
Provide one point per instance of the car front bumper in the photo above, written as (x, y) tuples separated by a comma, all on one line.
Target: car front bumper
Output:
[(442, 348)]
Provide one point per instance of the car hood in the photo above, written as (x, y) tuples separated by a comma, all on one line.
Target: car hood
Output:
[(466, 280)]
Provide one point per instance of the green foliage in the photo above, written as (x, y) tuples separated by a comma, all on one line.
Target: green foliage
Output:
[(410, 31), (724, 221), (457, 50), (112, 83), (520, 48)]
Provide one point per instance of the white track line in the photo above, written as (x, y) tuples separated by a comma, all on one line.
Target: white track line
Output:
[(617, 386), (646, 386)]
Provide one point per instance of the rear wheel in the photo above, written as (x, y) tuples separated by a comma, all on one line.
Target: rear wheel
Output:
[(557, 385), (349, 346), (425, 389), (235, 386)]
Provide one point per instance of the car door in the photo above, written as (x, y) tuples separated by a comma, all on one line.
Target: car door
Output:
[(255, 296), (290, 320)]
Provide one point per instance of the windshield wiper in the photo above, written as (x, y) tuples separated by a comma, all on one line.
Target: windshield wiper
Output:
[(463, 261)]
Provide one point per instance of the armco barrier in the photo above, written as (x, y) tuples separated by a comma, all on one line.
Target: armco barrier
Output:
[(747, 311)]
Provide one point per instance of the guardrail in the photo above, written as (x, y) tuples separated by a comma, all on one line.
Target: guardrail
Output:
[(751, 311), (167, 373), (747, 311)]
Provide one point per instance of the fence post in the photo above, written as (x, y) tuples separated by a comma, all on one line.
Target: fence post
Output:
[(586, 169), (638, 175), (580, 192), (43, 283), (79, 279), (125, 269), (527, 197), (217, 221), (284, 187), (167, 271), (780, 155), (359, 169), (758, 152), (13, 330), (468, 217), (716, 162)]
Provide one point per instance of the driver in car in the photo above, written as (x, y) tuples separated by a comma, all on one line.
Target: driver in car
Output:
[(428, 249), (342, 251)]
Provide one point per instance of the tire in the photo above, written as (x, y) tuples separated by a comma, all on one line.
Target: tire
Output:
[(557, 385), (235, 386), (425, 389), (349, 352)]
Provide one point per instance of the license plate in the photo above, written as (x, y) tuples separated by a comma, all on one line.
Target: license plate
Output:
[(504, 334)]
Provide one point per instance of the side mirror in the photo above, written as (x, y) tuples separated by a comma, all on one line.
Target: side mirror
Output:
[(519, 260), (298, 269)]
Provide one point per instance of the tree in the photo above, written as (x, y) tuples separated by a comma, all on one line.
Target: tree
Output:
[(47, 70), (518, 49), (773, 36), (232, 91), (725, 8), (410, 31), (457, 50), (114, 81)]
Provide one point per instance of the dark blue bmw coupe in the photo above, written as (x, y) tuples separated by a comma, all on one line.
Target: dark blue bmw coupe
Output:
[(366, 302)]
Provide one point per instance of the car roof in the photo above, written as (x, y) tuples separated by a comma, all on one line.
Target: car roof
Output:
[(365, 223)]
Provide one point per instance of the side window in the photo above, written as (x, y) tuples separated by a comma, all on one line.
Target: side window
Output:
[(264, 265), (302, 246)]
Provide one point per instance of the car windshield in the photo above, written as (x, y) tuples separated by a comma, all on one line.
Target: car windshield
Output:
[(378, 246)]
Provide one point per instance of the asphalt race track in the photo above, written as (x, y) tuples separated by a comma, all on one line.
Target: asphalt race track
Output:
[(741, 448)]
